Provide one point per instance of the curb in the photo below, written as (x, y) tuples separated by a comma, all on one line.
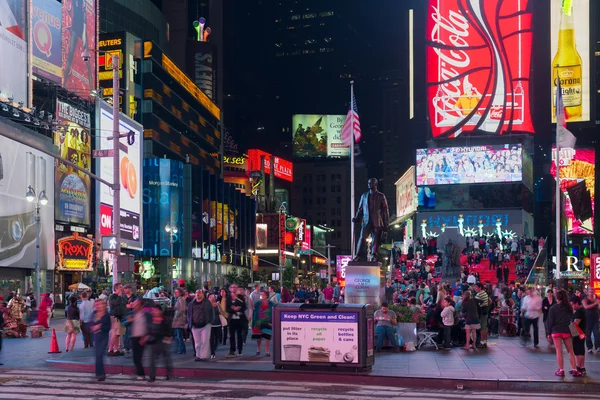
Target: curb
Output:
[(583, 386)]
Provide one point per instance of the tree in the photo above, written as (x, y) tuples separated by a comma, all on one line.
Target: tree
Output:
[(232, 276), (244, 278), (288, 277)]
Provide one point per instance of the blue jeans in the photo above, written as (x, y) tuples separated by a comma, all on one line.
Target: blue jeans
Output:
[(179, 343), (101, 342), (382, 332), (126, 339)]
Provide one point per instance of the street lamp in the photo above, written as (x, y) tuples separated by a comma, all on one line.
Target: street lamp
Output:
[(172, 230), (40, 200)]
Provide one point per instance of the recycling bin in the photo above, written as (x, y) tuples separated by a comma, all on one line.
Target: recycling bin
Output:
[(314, 336)]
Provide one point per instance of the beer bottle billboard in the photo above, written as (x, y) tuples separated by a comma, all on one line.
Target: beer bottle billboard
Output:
[(570, 62)]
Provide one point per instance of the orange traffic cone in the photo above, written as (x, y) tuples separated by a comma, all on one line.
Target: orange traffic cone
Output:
[(54, 343)]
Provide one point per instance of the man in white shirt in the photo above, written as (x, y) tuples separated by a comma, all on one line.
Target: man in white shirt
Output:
[(86, 311), (531, 309), (471, 280)]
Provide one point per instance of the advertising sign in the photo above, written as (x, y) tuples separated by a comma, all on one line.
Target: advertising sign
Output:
[(341, 264), (303, 235), (595, 273), (201, 66), (75, 253), (319, 337), (406, 194), (111, 44), (570, 52), (73, 188), (577, 181), (17, 215), (363, 284), (46, 33), (13, 47), (163, 205), (319, 136), (283, 168), (79, 35), (479, 164), (478, 63), (130, 161)]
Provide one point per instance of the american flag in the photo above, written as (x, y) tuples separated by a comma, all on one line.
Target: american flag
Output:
[(352, 124)]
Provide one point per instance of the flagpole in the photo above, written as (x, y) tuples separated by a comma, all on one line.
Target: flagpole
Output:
[(352, 172), (557, 201)]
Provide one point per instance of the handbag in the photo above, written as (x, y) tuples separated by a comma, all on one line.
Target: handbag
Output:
[(575, 330), (223, 320)]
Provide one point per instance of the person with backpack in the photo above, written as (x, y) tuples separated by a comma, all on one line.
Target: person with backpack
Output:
[(483, 306)]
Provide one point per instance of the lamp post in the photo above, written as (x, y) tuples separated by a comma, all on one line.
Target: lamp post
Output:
[(172, 230), (40, 200)]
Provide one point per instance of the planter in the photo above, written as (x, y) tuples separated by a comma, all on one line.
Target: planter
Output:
[(408, 332)]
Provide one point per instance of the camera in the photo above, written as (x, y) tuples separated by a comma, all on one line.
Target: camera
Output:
[(86, 55)]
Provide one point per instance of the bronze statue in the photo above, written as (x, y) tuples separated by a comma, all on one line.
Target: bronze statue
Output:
[(374, 214)]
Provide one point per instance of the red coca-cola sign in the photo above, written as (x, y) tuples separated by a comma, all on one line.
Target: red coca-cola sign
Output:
[(478, 64)]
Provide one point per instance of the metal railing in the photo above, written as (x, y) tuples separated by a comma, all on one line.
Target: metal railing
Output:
[(539, 271)]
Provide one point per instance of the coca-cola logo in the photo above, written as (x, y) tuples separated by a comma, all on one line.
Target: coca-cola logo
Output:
[(496, 112)]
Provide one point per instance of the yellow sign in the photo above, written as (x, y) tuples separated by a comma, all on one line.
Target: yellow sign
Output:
[(110, 42), (190, 86), (234, 160)]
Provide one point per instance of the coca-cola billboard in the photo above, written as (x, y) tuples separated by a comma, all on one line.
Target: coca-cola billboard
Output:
[(478, 65)]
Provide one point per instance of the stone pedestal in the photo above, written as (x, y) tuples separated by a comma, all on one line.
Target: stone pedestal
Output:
[(363, 283)]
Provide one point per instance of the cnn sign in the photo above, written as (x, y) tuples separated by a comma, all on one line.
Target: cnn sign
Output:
[(595, 274)]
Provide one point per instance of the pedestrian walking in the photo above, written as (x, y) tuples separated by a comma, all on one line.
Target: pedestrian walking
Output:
[(591, 304), (262, 320), (118, 308), (44, 311), (559, 319), (200, 316), (100, 327), (179, 320), (86, 313), (579, 322), (72, 327), (160, 339), (215, 331), (130, 298), (547, 303), (225, 304), (139, 321), (531, 309), (237, 321)]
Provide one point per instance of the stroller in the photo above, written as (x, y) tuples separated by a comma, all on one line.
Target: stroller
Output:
[(508, 322)]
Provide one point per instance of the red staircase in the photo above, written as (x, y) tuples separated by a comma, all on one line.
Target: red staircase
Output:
[(489, 275)]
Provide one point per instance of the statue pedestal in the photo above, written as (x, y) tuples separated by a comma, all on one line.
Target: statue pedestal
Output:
[(363, 283)]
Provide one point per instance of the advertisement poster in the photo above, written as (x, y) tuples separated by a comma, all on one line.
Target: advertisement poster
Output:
[(570, 52), (283, 169), (78, 35), (341, 264), (163, 205), (130, 161), (319, 136), (46, 34), (478, 59), (480, 164), (17, 215), (363, 284), (406, 194), (73, 188), (577, 180), (595, 273), (13, 48), (319, 337), (201, 66), (75, 253)]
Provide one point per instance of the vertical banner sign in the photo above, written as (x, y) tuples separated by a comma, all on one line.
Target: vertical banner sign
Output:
[(201, 67), (282, 240), (73, 188), (341, 264), (46, 33), (570, 52), (595, 274), (478, 62), (13, 48), (79, 35)]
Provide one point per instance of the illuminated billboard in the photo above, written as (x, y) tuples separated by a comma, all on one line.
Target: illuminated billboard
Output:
[(479, 164), (319, 136), (577, 180), (79, 35), (283, 169), (46, 34), (570, 52), (477, 68), (406, 194), (13, 47), (73, 188), (130, 161)]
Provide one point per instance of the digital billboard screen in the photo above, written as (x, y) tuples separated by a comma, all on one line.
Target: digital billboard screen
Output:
[(570, 52), (317, 135), (577, 180), (283, 169), (46, 33), (479, 164), (478, 59), (130, 162), (13, 48), (406, 194)]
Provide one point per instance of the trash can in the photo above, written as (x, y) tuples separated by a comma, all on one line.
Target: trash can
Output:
[(318, 336)]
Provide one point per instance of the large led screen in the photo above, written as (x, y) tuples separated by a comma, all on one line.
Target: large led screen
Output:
[(480, 164), (570, 52), (13, 49), (319, 136), (46, 34), (478, 63), (577, 180), (130, 169)]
